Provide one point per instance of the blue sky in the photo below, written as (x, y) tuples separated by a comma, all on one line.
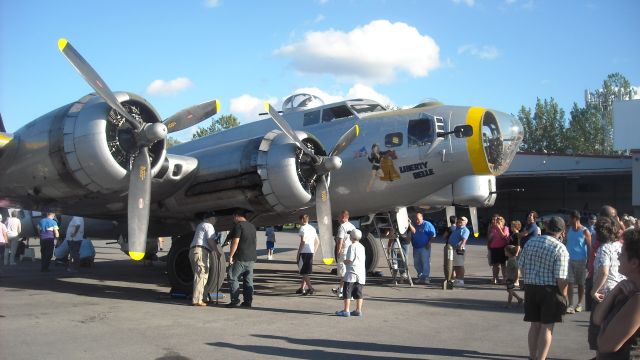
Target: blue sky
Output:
[(500, 54)]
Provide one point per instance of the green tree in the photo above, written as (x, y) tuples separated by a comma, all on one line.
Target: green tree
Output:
[(222, 123), (615, 87), (172, 141), (544, 129), (585, 134)]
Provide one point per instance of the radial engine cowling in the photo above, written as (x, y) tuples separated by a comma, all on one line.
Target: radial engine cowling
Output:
[(83, 147)]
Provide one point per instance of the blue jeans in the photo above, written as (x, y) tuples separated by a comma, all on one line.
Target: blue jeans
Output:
[(422, 261), (401, 264), (244, 270)]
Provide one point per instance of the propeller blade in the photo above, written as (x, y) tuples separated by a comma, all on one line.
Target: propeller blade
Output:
[(402, 218), (473, 216), (94, 80), (192, 115), (284, 126), (323, 214), (138, 204), (345, 140)]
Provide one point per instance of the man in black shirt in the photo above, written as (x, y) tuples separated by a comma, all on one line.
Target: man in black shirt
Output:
[(242, 258)]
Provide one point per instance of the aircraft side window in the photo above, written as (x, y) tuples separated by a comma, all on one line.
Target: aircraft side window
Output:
[(420, 131), (337, 112), (311, 118), (393, 140)]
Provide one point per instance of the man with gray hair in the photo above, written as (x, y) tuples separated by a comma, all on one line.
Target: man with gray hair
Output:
[(544, 262)]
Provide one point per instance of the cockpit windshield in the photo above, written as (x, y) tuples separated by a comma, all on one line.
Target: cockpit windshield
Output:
[(501, 137), (367, 108)]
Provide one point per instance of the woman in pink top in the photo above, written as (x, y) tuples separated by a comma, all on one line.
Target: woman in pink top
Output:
[(497, 240)]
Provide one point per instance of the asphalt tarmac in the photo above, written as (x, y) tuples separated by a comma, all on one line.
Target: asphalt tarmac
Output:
[(121, 309)]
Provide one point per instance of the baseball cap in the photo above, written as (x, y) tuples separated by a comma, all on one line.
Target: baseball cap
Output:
[(555, 224), (463, 218), (355, 234), (593, 217)]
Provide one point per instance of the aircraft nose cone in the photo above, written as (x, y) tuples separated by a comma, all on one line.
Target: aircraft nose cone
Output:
[(154, 132)]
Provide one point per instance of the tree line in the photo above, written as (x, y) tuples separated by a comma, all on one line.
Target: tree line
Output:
[(589, 129)]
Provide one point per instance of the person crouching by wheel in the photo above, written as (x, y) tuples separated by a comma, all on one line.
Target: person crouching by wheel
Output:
[(199, 253)]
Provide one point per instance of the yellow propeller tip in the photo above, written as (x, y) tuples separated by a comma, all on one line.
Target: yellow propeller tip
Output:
[(476, 234), (62, 42), (357, 130), (266, 105), (217, 106), (328, 261), (136, 255)]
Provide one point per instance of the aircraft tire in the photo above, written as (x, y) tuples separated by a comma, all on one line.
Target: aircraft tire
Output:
[(179, 267), (371, 251)]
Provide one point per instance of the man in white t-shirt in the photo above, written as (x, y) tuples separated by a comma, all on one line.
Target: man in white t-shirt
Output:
[(14, 228), (3, 240), (355, 276), (342, 244), (309, 243), (74, 237)]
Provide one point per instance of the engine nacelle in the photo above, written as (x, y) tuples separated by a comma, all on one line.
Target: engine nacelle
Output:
[(81, 148), (266, 174), (473, 190)]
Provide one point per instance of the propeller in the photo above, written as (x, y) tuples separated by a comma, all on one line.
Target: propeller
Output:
[(145, 134), (192, 115), (473, 216), (323, 165)]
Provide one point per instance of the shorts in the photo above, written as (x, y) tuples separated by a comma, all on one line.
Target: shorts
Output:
[(458, 260), (543, 304), (353, 290), (497, 256), (510, 284), (271, 245), (577, 272), (341, 267), (307, 263)]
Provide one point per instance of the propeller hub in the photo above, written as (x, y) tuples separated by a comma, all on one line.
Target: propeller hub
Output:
[(153, 132), (328, 164)]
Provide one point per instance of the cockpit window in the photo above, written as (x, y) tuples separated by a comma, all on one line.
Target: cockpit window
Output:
[(311, 118), (337, 112), (367, 108), (420, 131)]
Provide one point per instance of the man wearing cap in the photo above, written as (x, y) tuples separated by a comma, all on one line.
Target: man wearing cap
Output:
[(242, 258), (544, 262), (458, 240), (199, 253)]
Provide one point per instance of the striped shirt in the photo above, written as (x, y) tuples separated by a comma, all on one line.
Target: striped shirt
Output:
[(544, 260)]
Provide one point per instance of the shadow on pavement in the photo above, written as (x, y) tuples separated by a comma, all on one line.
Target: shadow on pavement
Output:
[(338, 349)]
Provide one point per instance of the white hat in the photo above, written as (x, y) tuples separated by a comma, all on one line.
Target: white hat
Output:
[(355, 234)]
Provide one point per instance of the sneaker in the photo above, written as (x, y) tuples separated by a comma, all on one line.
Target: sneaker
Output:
[(570, 310), (245, 304), (426, 281), (300, 291), (579, 308), (311, 291), (457, 282), (356, 313), (343, 313), (305, 292), (520, 301)]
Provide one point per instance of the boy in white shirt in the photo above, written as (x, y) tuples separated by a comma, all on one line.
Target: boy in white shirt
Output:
[(309, 243), (355, 276)]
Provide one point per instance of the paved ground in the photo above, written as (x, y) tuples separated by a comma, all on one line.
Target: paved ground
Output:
[(121, 309)]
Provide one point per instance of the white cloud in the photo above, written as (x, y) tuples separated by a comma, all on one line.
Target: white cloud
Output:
[(318, 19), (211, 3), (171, 87), (469, 3), (372, 53), (637, 95), (484, 52), (325, 96), (247, 107), (367, 92)]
